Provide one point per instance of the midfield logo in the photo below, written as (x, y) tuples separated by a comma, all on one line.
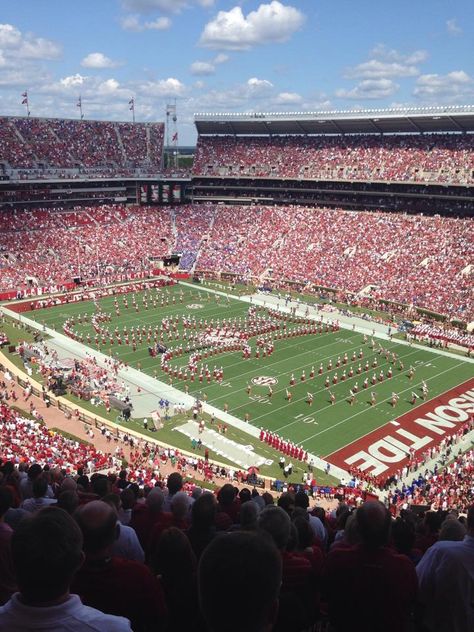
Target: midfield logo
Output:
[(264, 380)]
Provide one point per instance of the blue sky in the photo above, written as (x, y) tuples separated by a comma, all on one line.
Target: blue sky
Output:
[(226, 55)]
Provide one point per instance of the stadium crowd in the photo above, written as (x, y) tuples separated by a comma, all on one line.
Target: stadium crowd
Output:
[(99, 552), (95, 242), (403, 258), (415, 260), (421, 158), (65, 143)]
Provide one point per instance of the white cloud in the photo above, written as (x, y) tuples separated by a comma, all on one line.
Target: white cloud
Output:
[(202, 68), (453, 28), (15, 44), (98, 60), (386, 63), (390, 54), (258, 88), (369, 89), (73, 81), (207, 68), (453, 87), (375, 69), (170, 87), (133, 23), (288, 98), (221, 58), (232, 30)]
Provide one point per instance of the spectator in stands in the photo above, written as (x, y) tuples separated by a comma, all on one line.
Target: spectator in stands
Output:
[(404, 536), (174, 485), (69, 501), (248, 517), (299, 594), (446, 577), (146, 515), (104, 580), (232, 565), (452, 530), (47, 551), (203, 529), (126, 545), (7, 573), (26, 485), (302, 500), (40, 498), (371, 571), (173, 561)]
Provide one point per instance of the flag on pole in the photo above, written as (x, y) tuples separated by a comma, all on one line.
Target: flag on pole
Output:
[(175, 137), (131, 103), (79, 103), (25, 101)]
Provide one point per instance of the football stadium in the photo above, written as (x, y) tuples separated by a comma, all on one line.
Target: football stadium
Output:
[(252, 355)]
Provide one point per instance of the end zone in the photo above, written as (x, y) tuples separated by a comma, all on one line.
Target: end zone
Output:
[(390, 447)]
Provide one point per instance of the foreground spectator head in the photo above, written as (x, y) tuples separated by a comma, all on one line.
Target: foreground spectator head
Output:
[(173, 556), (180, 506), (197, 491), (69, 501), (174, 483), (276, 522), (287, 502), (226, 567), (249, 517), (155, 499), (268, 498), (452, 530), (47, 551), (98, 523), (204, 511), (373, 521), (100, 485), (226, 494), (301, 500)]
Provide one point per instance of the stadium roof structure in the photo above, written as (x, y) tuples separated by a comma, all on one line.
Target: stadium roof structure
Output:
[(381, 121)]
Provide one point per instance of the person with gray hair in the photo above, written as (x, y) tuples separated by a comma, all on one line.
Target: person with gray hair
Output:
[(446, 577), (146, 515)]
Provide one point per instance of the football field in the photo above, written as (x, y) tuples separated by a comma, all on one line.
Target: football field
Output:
[(256, 389)]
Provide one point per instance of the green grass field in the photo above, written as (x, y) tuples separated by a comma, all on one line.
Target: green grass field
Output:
[(321, 428)]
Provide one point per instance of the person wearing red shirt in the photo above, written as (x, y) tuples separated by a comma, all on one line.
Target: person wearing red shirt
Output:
[(146, 515), (371, 570), (112, 584)]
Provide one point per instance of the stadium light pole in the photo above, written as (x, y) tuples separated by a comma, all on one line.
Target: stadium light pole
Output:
[(25, 102), (79, 105)]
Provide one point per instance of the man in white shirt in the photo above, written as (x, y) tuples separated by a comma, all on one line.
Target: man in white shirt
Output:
[(446, 583), (47, 551), (127, 544)]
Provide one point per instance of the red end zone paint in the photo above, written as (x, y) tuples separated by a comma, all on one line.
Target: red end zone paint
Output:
[(387, 449)]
